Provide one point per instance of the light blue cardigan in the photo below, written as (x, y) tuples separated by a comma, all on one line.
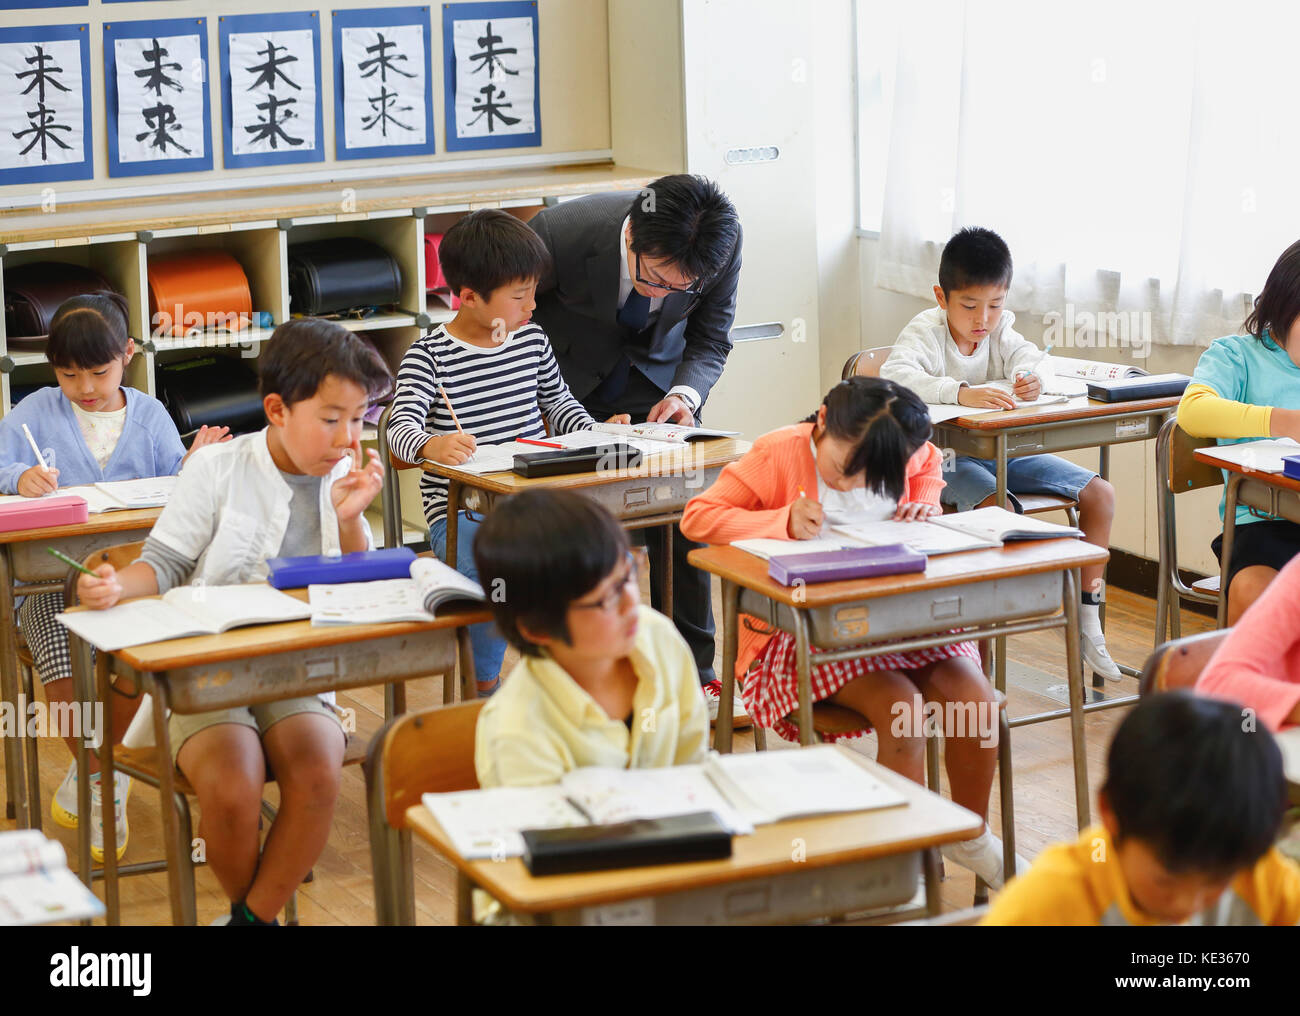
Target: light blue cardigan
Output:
[(149, 445)]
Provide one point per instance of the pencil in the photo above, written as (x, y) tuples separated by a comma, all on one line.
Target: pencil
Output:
[(68, 561), (443, 393), (544, 444), (32, 441)]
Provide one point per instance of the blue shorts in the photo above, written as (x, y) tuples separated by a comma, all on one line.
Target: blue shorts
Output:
[(972, 480)]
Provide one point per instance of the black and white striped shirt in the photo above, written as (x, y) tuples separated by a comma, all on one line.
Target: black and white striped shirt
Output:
[(499, 393)]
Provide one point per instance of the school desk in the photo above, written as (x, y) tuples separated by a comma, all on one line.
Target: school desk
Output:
[(652, 494), (262, 663), (26, 568), (1045, 430), (1268, 493), (1017, 588), (797, 870)]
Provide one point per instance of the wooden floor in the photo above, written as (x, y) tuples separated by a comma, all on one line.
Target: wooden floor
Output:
[(341, 892)]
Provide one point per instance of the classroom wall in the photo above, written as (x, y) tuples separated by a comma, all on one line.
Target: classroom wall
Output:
[(573, 61)]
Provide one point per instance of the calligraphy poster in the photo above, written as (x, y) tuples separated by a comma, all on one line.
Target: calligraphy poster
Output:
[(159, 119), (45, 132), (383, 92), (270, 81), (490, 75)]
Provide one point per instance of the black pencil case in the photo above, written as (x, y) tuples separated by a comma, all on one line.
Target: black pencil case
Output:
[(577, 460), (673, 840), (1150, 386)]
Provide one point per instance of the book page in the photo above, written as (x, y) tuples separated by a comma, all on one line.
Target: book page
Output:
[(817, 780), (96, 499), (27, 850), (922, 537), (1264, 456), (133, 623), (608, 795), (377, 602), (487, 823), (1091, 370), (215, 609), (999, 525), (943, 413), (438, 584), (148, 492), (1046, 398), (768, 549), (44, 897), (662, 431)]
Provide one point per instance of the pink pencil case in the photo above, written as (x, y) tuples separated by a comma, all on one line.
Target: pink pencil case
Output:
[(40, 512)]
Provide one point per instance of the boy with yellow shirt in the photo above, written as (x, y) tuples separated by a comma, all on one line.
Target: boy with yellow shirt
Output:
[(603, 680), (1191, 807)]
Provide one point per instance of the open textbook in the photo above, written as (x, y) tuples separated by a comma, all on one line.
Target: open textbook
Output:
[(432, 585), (36, 886), (1264, 456), (940, 534), (1069, 375), (182, 612), (115, 495), (674, 433), (741, 790)]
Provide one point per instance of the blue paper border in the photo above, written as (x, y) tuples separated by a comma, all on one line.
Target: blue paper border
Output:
[(144, 30), (34, 5), (85, 169), (371, 18), (476, 11), (288, 21)]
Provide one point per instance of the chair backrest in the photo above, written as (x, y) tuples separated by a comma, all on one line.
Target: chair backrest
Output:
[(1179, 663), (428, 752), (1184, 471), (866, 362), (119, 556)]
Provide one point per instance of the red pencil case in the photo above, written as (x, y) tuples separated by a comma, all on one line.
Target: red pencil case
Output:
[(40, 512)]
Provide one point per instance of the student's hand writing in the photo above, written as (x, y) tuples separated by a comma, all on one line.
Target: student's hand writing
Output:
[(207, 436), (620, 418), (37, 481), (101, 591), (353, 492), (1027, 387), (916, 511), (984, 397), (806, 518), (671, 410), (450, 449)]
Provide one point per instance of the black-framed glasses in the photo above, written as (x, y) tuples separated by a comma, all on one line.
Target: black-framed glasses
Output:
[(694, 289), (610, 601)]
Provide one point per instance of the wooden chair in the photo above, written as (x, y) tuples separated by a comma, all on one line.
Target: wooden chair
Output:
[(1178, 472), (420, 753), (144, 764), (866, 362)]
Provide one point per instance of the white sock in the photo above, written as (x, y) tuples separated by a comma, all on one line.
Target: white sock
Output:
[(1090, 621)]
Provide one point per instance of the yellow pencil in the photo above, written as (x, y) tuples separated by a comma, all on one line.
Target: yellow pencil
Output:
[(452, 411)]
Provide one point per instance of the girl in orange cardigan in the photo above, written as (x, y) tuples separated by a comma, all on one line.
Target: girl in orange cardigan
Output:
[(866, 451)]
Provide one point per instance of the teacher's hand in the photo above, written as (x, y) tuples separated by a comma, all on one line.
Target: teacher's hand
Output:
[(671, 410)]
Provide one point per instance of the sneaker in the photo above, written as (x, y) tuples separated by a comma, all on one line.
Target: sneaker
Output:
[(713, 696), (1096, 656), (123, 787), (983, 856), (63, 806)]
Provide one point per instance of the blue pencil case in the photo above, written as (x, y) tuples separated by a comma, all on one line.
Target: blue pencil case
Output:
[(362, 566), (1291, 466)]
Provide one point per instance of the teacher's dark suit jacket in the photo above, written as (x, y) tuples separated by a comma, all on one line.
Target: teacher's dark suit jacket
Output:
[(577, 304)]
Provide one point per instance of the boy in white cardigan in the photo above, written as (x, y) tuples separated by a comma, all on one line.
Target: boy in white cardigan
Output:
[(965, 352)]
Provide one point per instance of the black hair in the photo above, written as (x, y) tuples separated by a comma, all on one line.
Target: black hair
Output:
[(489, 248), (537, 553), (88, 331), (974, 257), (687, 221), (1278, 304), (1195, 783), (886, 422), (303, 352)]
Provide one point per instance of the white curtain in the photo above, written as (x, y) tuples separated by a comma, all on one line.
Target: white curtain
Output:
[(1140, 157)]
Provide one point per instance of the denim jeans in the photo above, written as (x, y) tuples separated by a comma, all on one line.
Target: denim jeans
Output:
[(488, 646)]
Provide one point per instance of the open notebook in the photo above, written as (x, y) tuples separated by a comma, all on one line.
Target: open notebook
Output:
[(778, 785), (182, 612), (941, 534), (36, 886), (1264, 456), (432, 585), (115, 495)]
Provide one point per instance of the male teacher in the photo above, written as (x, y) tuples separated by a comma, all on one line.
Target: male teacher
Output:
[(638, 307)]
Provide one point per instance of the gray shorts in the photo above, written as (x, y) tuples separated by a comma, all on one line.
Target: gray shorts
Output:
[(181, 727), (972, 480)]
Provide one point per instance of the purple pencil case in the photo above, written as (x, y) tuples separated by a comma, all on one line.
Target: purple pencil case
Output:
[(849, 563)]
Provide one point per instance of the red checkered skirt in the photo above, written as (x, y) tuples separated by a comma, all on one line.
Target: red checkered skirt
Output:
[(771, 689)]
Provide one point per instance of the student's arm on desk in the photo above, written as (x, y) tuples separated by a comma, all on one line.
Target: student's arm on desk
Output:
[(1204, 413), (1250, 666), (743, 503), (917, 363)]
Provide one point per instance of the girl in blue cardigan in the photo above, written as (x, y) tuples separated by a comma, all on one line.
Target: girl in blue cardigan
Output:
[(89, 429)]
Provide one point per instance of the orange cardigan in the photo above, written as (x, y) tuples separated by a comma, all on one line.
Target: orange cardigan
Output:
[(752, 498)]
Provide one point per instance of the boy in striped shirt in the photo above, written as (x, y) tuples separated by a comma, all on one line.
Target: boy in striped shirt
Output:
[(499, 373)]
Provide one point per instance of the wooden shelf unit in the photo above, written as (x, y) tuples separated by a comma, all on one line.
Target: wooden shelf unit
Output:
[(118, 238)]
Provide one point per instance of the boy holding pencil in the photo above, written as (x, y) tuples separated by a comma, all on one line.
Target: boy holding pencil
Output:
[(487, 376)]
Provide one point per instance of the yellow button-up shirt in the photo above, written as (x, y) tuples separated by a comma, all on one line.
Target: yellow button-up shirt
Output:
[(541, 723)]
